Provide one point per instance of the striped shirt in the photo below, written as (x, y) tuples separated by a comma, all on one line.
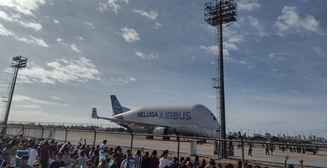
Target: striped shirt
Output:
[(138, 159)]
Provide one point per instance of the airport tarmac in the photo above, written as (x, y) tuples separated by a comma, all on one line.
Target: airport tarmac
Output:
[(318, 160)]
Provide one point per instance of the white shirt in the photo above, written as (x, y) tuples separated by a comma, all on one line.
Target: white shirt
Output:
[(32, 158), (163, 162)]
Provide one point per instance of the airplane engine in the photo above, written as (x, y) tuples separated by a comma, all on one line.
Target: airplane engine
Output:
[(159, 130)]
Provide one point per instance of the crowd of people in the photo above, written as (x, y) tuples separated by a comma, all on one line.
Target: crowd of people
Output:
[(50, 154)]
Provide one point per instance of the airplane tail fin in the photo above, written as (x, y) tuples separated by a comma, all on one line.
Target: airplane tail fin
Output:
[(94, 113), (117, 108)]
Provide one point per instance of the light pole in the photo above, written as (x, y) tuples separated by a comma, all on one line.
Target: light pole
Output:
[(220, 14), (17, 63)]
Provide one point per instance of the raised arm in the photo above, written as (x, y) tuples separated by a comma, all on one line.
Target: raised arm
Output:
[(286, 158)]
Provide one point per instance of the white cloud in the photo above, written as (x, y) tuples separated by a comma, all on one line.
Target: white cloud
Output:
[(157, 25), (145, 56), (290, 22), (56, 21), (110, 5), (80, 38), (16, 18), (317, 50), (209, 50), (258, 27), (151, 15), (61, 70), (55, 97), (73, 47), (248, 5), (18, 98), (132, 79), (90, 24), (28, 40), (23, 6), (130, 35)]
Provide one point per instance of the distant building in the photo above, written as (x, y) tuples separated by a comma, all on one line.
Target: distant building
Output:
[(278, 135), (283, 136), (314, 137), (310, 138), (268, 135), (299, 137), (303, 138), (256, 135)]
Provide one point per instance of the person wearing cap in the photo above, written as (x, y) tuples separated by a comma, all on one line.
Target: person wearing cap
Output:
[(58, 162), (23, 162), (164, 161), (36, 164), (113, 163), (89, 163)]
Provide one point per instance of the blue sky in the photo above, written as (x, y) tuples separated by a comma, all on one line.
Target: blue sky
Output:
[(162, 52)]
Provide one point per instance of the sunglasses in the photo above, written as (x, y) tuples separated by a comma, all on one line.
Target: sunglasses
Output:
[(89, 164), (36, 165)]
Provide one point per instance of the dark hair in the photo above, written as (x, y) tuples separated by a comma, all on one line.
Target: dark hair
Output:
[(229, 166), (188, 159), (196, 159), (182, 159), (290, 166), (154, 153), (82, 153), (104, 141)]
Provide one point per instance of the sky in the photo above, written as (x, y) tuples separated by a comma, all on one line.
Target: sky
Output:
[(163, 52)]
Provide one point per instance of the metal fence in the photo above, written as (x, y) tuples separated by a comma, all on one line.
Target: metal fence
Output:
[(312, 155)]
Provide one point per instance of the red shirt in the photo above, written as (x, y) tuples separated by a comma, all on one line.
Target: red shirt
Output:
[(44, 153), (153, 162)]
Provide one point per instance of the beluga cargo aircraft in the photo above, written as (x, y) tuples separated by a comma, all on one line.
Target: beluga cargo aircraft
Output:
[(186, 119)]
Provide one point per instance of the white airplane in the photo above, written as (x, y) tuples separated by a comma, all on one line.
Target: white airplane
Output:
[(186, 119)]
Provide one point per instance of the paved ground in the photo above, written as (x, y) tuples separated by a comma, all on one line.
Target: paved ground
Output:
[(319, 159)]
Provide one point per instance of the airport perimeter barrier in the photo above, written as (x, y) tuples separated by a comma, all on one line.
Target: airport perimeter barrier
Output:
[(312, 155)]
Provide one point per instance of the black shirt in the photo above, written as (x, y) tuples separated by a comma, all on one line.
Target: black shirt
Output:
[(56, 164), (145, 163)]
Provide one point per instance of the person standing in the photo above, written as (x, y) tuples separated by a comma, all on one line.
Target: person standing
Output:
[(23, 162), (267, 149), (128, 162), (5, 155), (145, 160), (14, 150), (138, 159), (153, 160), (271, 149), (250, 149), (44, 154), (58, 163), (81, 162), (196, 163), (113, 163), (164, 161), (33, 155)]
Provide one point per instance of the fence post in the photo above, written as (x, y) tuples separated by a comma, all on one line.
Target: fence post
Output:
[(66, 132), (22, 129), (242, 146), (42, 130), (131, 139), (178, 139), (95, 131)]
